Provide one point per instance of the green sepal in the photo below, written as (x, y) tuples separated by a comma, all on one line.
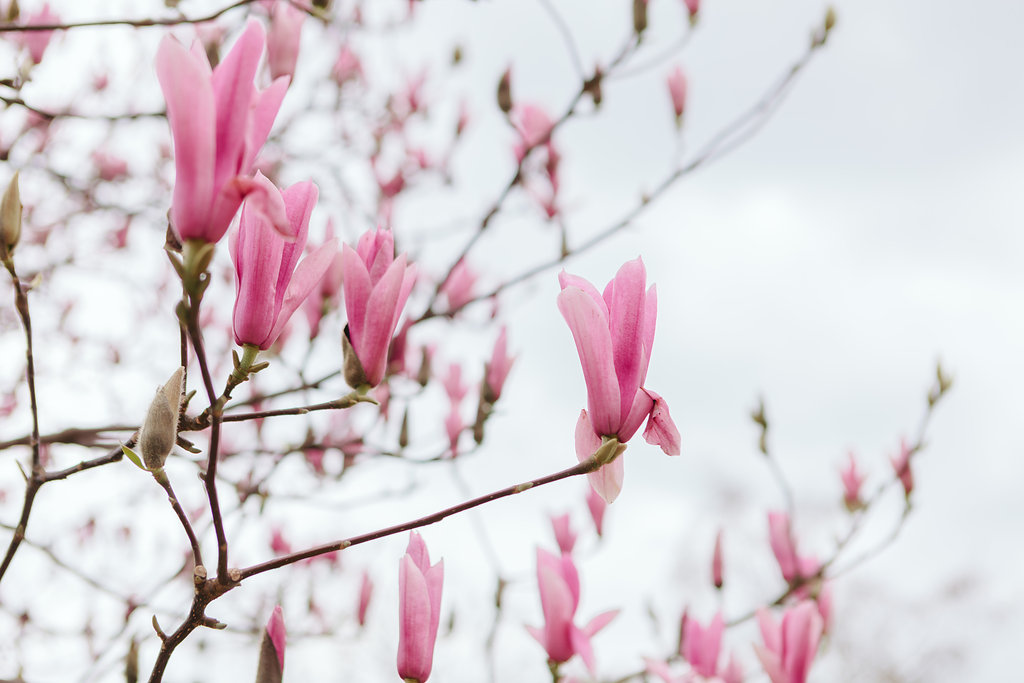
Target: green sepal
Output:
[(136, 460)]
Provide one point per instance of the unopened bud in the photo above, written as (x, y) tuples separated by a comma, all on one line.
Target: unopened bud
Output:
[(10, 215), (505, 91), (403, 433), (639, 16), (13, 11), (830, 18), (160, 430)]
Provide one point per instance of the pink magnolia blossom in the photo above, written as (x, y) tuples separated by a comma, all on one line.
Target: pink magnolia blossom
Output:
[(498, 368), (365, 594), (559, 585), (701, 645), (789, 648), (269, 284), (677, 92), (716, 561), (692, 6), (278, 543), (607, 480), (597, 506), (781, 540), (347, 67), (283, 39), (36, 42), (454, 386), (565, 537), (219, 121), (454, 424), (852, 481), (419, 610), (271, 664), (901, 465), (458, 288), (376, 286), (534, 128), (614, 334), (109, 167)]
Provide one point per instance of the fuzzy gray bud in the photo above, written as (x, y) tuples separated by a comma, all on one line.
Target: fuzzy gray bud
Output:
[(160, 430)]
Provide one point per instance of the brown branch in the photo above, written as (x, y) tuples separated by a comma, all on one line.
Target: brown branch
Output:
[(136, 23)]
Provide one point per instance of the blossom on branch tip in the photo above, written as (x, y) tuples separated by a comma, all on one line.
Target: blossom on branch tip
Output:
[(458, 287), (852, 481), (219, 121), (789, 647), (901, 465), (365, 593), (534, 128), (376, 286), (283, 39), (419, 610), (271, 282), (271, 664), (496, 371), (614, 334), (565, 537), (36, 42), (559, 586), (677, 92), (701, 645)]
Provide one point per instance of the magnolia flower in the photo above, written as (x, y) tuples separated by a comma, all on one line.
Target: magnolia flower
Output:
[(271, 666), (269, 284), (534, 128), (565, 537), (901, 465), (36, 42), (559, 585), (419, 610), (458, 287), (852, 481), (347, 67), (283, 39), (365, 593), (614, 333), (716, 561), (376, 286), (219, 121), (789, 648), (677, 91), (701, 645)]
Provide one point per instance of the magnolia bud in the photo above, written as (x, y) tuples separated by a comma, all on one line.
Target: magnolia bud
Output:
[(10, 215), (505, 91), (639, 16), (160, 430), (830, 19)]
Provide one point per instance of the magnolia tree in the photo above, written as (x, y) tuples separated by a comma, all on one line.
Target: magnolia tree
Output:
[(270, 212)]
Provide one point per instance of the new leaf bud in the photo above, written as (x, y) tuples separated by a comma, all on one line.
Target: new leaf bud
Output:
[(10, 215), (639, 16), (160, 430), (505, 91)]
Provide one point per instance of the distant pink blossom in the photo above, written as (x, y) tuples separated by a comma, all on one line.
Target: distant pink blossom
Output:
[(559, 586), (701, 645), (565, 537), (458, 287), (365, 594), (677, 92), (597, 506), (419, 610), (283, 39), (454, 424), (852, 482), (692, 6), (219, 121), (716, 561), (498, 368), (36, 42), (781, 540), (453, 384), (790, 647), (376, 287), (534, 128), (109, 167), (347, 67), (901, 465)]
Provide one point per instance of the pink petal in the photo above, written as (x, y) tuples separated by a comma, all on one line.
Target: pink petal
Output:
[(414, 621), (590, 331), (305, 278), (627, 306), (233, 92), (185, 82), (661, 430), (356, 287)]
